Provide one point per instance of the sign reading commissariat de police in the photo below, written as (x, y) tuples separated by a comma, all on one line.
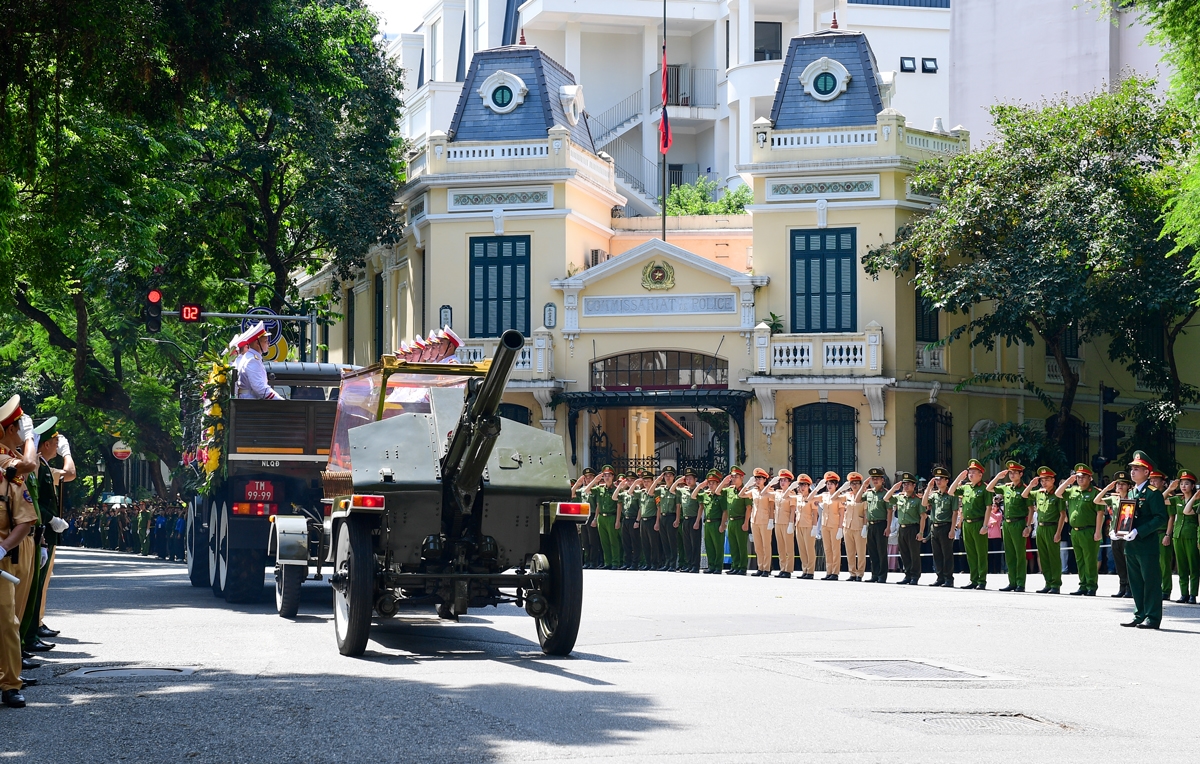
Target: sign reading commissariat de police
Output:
[(659, 305)]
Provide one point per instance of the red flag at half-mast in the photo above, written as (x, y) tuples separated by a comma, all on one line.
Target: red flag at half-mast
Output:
[(664, 126)]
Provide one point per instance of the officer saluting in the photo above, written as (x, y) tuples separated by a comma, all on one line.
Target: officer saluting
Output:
[(17, 518), (1142, 543)]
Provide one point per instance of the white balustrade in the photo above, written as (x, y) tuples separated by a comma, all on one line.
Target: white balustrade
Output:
[(823, 138), (846, 354), (1054, 373), (496, 151), (791, 355), (858, 353)]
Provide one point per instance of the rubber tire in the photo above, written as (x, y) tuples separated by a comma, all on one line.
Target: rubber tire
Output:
[(245, 581), (288, 579), (218, 548), (353, 557), (558, 629), (197, 547)]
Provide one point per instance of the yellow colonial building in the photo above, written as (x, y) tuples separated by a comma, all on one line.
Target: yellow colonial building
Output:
[(752, 339)]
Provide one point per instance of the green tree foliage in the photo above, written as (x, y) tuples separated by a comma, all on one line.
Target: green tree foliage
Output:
[(147, 142), (700, 198), (1041, 227)]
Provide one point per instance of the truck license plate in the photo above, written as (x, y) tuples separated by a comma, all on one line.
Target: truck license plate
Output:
[(259, 490)]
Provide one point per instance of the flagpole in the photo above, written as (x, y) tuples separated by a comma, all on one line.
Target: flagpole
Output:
[(663, 153)]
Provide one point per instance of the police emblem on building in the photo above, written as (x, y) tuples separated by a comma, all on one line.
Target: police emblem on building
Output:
[(658, 275)]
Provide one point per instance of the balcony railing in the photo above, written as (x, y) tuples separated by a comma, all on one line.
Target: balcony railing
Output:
[(534, 361), (819, 354), (931, 359), (1054, 373), (685, 87)]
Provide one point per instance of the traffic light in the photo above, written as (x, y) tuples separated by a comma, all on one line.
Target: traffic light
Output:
[(154, 301), (1110, 434), (1107, 394)]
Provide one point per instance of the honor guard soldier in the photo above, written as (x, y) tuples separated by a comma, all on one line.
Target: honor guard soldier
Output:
[(1087, 523), (761, 517), (912, 519), (689, 521), (602, 490), (737, 522), (17, 518), (973, 500), (712, 510), (1142, 544), (589, 538), (1166, 555), (1181, 529), (1120, 485), (879, 522), (783, 498), (942, 506), (1047, 517), (1015, 529), (667, 522), (854, 527)]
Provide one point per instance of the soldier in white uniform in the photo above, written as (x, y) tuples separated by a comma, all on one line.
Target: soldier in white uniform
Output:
[(252, 375)]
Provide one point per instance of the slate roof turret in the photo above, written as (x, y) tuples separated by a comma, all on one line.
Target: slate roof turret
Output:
[(794, 108)]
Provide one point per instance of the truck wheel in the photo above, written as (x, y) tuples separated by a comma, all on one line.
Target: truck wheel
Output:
[(197, 545), (218, 549), (354, 583), (559, 627), (244, 582), (288, 579)]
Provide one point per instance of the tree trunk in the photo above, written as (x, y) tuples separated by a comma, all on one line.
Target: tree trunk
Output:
[(1058, 428)]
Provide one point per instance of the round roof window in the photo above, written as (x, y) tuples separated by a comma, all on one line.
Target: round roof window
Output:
[(502, 96), (825, 83)]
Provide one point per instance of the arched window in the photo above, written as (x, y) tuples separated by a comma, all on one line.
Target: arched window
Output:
[(935, 433), (824, 437), (660, 370)]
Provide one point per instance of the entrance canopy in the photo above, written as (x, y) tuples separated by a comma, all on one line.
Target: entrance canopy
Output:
[(732, 402)]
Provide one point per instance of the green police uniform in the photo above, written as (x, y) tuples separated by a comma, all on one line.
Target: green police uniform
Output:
[(1183, 537), (712, 506), (606, 518), (739, 558), (647, 517), (909, 512), (974, 502), (629, 535), (1016, 512), (877, 532), (668, 534), (1081, 514), (1049, 509), (690, 536), (1142, 554)]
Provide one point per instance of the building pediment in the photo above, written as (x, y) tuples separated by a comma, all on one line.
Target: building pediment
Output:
[(652, 251)]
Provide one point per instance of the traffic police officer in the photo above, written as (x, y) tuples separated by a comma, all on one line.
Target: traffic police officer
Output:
[(832, 507), (1142, 545), (942, 506), (761, 519), (973, 501), (1087, 523), (17, 518), (807, 525), (1016, 517), (1049, 513), (783, 497), (854, 527)]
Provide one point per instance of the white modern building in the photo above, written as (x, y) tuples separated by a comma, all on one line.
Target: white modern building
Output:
[(724, 60)]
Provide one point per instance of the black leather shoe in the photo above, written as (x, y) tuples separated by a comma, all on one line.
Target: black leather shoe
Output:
[(1044, 590), (1166, 597), (45, 631), (902, 582), (27, 682), (1148, 625), (1182, 601), (1090, 593), (1120, 593), (38, 646), (1191, 600), (783, 574), (914, 582), (1053, 590), (1009, 588), (968, 586), (1019, 589), (1131, 624), (981, 587), (13, 699), (25, 653), (1078, 593), (29, 665)]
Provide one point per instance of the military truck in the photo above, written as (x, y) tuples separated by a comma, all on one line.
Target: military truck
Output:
[(437, 502), (269, 478)]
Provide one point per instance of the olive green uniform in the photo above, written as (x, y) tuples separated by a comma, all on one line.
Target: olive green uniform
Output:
[(1081, 515), (941, 518), (877, 533), (739, 558), (1183, 537), (606, 518), (974, 502), (647, 517), (629, 535), (712, 506), (1141, 554), (1016, 512), (689, 510), (1049, 509), (909, 511), (668, 534), (1166, 564)]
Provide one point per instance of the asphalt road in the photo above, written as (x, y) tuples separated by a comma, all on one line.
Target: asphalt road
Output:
[(668, 668)]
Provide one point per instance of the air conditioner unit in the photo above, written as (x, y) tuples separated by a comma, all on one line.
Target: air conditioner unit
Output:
[(596, 257)]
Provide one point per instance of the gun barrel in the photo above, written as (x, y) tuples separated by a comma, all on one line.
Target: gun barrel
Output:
[(491, 390)]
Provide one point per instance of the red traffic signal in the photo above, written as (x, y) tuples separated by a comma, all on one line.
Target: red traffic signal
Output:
[(154, 297), (153, 310), (190, 312)]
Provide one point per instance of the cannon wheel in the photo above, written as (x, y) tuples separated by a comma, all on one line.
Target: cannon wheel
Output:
[(558, 629), (354, 569), (197, 544), (288, 579)]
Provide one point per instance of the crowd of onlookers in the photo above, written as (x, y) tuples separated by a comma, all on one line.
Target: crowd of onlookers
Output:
[(151, 528)]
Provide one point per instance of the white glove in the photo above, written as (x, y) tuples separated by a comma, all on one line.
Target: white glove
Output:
[(64, 448), (791, 528), (25, 428), (3, 553), (58, 525), (1112, 535), (45, 558), (1131, 535), (841, 534), (864, 531), (815, 532), (771, 525)]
